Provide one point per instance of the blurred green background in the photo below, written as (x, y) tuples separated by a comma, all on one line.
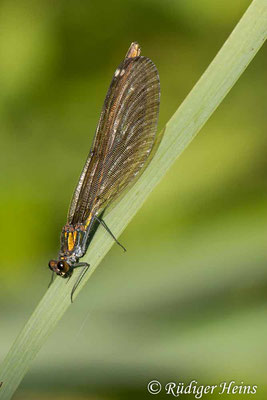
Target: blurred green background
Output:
[(189, 298)]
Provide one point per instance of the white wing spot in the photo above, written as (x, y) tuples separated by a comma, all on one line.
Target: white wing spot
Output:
[(117, 72), (122, 72)]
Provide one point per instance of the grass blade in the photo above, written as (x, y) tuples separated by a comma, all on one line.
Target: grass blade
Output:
[(223, 72)]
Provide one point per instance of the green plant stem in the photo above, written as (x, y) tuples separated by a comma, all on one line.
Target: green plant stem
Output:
[(223, 72)]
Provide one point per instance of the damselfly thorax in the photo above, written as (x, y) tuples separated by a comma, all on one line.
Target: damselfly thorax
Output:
[(123, 142), (73, 246)]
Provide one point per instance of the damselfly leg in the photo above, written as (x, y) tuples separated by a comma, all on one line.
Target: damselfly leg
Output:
[(85, 267), (102, 222), (52, 279)]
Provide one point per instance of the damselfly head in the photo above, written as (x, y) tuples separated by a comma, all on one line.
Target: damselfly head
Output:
[(61, 268)]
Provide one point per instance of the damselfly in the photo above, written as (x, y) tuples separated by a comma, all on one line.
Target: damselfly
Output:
[(123, 142)]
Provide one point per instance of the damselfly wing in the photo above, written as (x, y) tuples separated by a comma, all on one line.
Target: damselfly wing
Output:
[(123, 141)]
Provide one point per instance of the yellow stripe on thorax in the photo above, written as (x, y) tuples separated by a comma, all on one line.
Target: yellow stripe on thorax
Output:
[(71, 240)]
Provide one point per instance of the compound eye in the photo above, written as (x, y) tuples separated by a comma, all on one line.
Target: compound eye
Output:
[(60, 265), (52, 264)]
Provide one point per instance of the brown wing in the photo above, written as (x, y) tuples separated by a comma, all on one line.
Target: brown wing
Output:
[(123, 140)]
